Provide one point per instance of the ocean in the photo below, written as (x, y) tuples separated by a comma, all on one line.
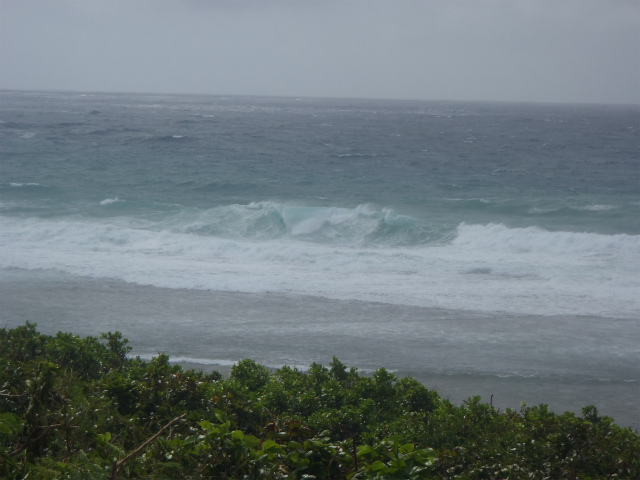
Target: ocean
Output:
[(489, 249)]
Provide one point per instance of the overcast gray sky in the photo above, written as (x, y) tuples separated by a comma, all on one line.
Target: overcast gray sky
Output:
[(505, 50)]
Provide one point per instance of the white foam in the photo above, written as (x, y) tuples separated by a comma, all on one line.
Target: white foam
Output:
[(215, 362), (15, 184), (497, 237), (109, 201), (197, 361), (524, 270), (597, 208)]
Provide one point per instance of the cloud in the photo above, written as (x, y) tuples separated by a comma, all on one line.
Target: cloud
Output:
[(520, 50)]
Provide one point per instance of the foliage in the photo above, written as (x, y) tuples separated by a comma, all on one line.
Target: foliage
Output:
[(79, 408)]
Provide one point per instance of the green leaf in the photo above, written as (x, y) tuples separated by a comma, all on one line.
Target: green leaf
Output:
[(237, 435), (9, 422), (206, 424), (271, 447), (366, 450), (297, 460), (296, 446), (407, 448), (268, 444), (190, 439), (250, 441), (221, 416)]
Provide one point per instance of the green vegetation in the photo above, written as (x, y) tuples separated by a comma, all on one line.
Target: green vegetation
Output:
[(80, 409)]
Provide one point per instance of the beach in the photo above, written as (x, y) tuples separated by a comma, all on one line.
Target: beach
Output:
[(565, 362)]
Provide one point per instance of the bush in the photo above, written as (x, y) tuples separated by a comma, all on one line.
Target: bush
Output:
[(80, 408)]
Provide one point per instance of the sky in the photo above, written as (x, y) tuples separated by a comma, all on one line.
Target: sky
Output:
[(556, 51)]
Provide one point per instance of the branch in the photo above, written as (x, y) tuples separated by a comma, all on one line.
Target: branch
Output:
[(10, 395), (117, 465), (335, 455)]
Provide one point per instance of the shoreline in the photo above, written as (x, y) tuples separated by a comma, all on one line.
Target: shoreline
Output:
[(459, 354)]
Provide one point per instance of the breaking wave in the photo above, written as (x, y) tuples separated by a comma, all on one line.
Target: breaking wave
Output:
[(497, 237), (363, 225), (363, 253)]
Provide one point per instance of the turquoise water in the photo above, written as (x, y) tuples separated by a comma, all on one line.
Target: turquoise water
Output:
[(490, 245)]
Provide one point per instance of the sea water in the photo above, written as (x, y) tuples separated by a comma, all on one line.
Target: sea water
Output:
[(488, 249)]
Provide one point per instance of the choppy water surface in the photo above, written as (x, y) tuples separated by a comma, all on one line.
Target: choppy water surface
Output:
[(482, 248)]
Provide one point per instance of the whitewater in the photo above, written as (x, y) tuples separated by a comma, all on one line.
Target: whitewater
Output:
[(487, 268), (482, 248)]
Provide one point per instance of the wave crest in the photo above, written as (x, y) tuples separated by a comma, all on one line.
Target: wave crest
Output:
[(363, 224), (109, 201)]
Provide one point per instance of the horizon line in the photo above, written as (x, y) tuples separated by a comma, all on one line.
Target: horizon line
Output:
[(320, 97)]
